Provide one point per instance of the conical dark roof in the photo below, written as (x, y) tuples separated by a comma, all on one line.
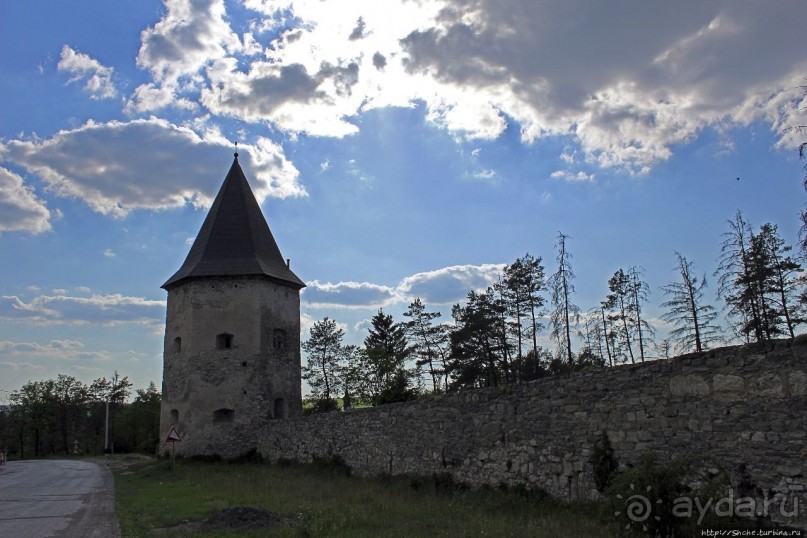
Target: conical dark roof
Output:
[(235, 239)]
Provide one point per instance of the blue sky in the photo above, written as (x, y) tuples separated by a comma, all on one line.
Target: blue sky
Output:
[(398, 148)]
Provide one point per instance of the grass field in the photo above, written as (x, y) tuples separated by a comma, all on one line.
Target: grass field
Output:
[(323, 501)]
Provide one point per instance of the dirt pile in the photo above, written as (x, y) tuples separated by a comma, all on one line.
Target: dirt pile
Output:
[(236, 518), (243, 517)]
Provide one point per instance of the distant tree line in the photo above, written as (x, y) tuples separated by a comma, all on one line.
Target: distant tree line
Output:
[(46, 418), (492, 339)]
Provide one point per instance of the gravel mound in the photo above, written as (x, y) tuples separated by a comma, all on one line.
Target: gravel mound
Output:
[(236, 518), (243, 517)]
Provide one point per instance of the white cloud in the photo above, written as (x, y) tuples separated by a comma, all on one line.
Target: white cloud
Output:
[(26, 366), (307, 323), (88, 369), (149, 97), (191, 34), (101, 309), (98, 79), (362, 326), (450, 284), (347, 294), (20, 209), (305, 67), (644, 79), (442, 286), (69, 350), (697, 64), (117, 167), (108, 253), (571, 176), (484, 174)]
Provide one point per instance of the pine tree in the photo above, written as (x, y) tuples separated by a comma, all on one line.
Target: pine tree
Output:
[(738, 283), (565, 311), (523, 284), (695, 329), (324, 350), (618, 302), (476, 343), (779, 279), (595, 335), (757, 280), (387, 350), (638, 290), (355, 381), (430, 342)]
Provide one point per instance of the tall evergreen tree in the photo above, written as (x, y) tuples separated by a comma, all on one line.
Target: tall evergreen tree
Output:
[(523, 285), (757, 280), (619, 303), (638, 290), (737, 281), (565, 312), (324, 350), (780, 279), (429, 342), (594, 335), (608, 334), (356, 376), (693, 319), (476, 343), (507, 329), (387, 350)]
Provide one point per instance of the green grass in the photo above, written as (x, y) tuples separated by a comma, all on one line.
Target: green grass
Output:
[(151, 498)]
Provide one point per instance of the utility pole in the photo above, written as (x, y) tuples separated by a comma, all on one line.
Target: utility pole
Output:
[(106, 435)]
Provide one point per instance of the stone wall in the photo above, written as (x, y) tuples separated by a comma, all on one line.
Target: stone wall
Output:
[(739, 409), (218, 394)]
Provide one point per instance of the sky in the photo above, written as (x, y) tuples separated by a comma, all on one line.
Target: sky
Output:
[(398, 148)]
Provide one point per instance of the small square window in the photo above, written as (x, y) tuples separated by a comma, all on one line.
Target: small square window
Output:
[(224, 341)]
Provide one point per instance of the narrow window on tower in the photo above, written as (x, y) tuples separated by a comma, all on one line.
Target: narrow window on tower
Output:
[(280, 408), (279, 343), (224, 341), (174, 420), (177, 344)]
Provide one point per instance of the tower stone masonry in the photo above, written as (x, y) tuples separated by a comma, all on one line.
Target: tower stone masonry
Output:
[(231, 360)]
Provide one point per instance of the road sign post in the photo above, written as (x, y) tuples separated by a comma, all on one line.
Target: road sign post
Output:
[(173, 437)]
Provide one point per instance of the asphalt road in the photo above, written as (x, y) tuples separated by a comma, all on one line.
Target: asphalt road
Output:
[(72, 498)]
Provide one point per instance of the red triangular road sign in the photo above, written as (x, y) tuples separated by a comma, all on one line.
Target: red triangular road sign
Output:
[(173, 436)]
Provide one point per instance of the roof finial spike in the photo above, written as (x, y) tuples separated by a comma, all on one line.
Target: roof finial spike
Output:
[(236, 150)]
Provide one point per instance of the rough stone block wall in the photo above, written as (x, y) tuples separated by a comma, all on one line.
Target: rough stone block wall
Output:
[(258, 368), (740, 409)]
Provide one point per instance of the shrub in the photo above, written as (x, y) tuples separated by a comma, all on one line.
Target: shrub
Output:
[(604, 462), (325, 406), (252, 456), (644, 495), (333, 463)]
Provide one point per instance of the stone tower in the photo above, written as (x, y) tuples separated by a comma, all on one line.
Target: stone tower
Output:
[(231, 360)]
